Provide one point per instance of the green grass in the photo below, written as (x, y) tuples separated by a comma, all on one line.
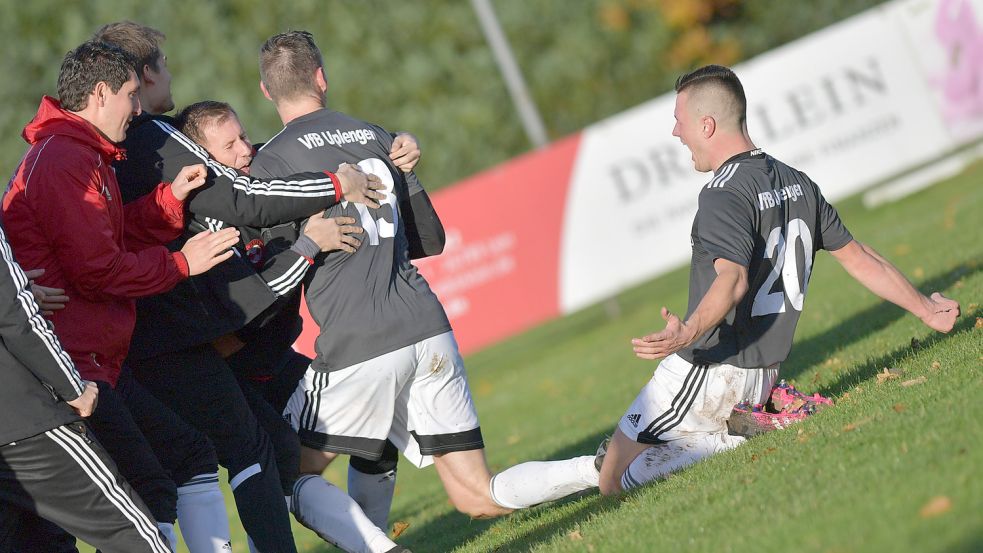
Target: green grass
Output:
[(854, 478)]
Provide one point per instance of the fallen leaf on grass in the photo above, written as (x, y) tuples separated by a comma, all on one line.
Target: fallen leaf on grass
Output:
[(979, 322), (899, 407), (855, 425), (399, 527), (914, 381), (888, 374), (936, 365), (936, 506), (802, 436), (575, 535), (755, 457)]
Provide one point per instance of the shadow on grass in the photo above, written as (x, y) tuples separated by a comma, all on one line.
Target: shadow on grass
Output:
[(815, 350), (866, 371), (972, 544)]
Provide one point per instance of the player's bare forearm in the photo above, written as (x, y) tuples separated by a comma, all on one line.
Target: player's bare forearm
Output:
[(724, 294), (881, 277)]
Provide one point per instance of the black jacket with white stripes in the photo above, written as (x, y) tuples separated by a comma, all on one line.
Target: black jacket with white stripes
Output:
[(224, 299), (36, 375)]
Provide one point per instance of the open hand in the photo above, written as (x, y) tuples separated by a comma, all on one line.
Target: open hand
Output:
[(674, 337), (359, 187), (335, 233), (207, 249), (49, 299)]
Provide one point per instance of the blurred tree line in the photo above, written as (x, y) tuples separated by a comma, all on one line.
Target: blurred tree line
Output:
[(420, 65)]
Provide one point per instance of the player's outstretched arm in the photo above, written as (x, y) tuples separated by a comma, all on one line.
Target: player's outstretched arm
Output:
[(724, 294), (879, 276)]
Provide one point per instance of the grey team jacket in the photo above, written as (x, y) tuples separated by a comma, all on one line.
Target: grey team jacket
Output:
[(36, 375)]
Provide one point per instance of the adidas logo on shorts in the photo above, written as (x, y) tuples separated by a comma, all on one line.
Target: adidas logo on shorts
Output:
[(634, 419)]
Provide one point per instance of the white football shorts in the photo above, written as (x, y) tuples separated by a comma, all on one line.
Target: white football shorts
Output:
[(682, 412), (416, 396), (682, 398)]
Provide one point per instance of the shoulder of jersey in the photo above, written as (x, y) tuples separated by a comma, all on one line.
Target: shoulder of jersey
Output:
[(724, 177)]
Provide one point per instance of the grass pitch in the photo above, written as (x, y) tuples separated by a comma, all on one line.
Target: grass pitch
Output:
[(894, 466)]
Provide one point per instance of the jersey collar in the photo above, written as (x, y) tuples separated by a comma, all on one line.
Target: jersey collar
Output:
[(740, 157)]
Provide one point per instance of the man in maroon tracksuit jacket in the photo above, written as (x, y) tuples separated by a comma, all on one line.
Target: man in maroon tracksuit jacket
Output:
[(64, 214)]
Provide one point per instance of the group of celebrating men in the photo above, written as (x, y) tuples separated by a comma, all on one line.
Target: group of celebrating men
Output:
[(166, 257)]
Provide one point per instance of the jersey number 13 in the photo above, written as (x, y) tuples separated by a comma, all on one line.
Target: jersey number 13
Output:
[(378, 228)]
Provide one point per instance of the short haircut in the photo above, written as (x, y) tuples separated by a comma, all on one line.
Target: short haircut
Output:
[(193, 119), (89, 64), (719, 79), (287, 63), (142, 42)]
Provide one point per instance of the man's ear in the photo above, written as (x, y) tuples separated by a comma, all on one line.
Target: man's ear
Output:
[(100, 93), (265, 92), (322, 82), (146, 75), (709, 126)]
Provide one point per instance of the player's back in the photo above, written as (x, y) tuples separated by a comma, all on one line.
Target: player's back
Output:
[(373, 301), (771, 218)]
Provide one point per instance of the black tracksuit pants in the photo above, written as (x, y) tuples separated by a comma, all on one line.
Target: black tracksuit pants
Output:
[(156, 451), (199, 386), (66, 477)]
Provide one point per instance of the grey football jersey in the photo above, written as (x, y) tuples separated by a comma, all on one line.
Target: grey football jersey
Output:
[(760, 213), (374, 301)]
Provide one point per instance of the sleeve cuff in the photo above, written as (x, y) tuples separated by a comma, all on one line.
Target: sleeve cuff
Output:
[(306, 248), (337, 185), (182, 264), (169, 199)]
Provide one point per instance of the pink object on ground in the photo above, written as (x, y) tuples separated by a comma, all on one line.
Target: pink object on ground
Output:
[(786, 406)]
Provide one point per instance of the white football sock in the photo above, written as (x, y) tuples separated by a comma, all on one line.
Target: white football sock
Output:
[(336, 518), (201, 515), (167, 529), (661, 460), (536, 482), (373, 493)]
